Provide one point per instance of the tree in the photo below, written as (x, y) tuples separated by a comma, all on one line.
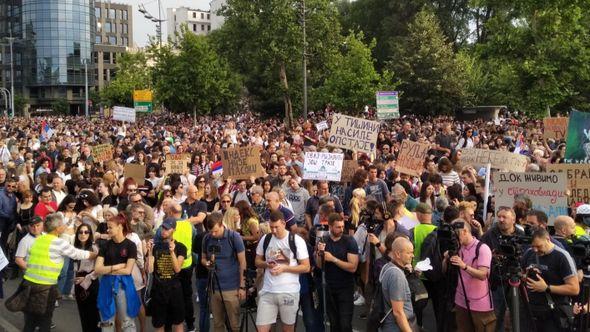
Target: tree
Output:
[(193, 77), (61, 106), (132, 73), (353, 80), (263, 41), (432, 81)]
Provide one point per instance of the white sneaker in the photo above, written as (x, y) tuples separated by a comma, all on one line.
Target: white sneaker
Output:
[(56, 303), (360, 301)]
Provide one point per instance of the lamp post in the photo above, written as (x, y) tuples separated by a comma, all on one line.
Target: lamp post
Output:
[(10, 41), (86, 87), (158, 20), (7, 95), (304, 61)]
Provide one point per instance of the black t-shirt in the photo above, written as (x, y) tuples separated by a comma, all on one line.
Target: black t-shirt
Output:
[(210, 204), (335, 276), (554, 268), (163, 269), (117, 253)]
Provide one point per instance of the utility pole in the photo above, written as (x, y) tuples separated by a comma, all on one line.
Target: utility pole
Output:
[(10, 41), (158, 20), (86, 87), (304, 61)]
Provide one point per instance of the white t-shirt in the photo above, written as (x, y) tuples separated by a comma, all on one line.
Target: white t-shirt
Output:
[(24, 246), (278, 250)]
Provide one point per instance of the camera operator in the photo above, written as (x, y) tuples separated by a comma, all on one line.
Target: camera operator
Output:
[(565, 229), (504, 227), (474, 310), (338, 253), (224, 253), (283, 258), (539, 219), (551, 282)]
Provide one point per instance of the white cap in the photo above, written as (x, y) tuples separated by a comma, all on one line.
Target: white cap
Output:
[(583, 209)]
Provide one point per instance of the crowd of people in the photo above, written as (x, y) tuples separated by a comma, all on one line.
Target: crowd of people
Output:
[(270, 247)]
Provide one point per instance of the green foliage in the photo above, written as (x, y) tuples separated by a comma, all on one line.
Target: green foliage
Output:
[(61, 106), (132, 73), (433, 81), (19, 104), (193, 77), (352, 78)]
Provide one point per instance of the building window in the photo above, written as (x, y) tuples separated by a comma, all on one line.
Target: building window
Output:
[(202, 27), (105, 74), (111, 13), (125, 15), (106, 57), (125, 41), (108, 27), (208, 16), (112, 40), (208, 28), (194, 27), (97, 12), (194, 15), (119, 14), (202, 16), (124, 28), (98, 39)]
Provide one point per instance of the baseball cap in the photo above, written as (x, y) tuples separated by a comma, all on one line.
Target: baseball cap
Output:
[(36, 219), (423, 208), (169, 223), (583, 209)]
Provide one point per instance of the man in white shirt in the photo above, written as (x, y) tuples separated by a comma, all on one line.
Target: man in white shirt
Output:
[(22, 251), (283, 256), (58, 191)]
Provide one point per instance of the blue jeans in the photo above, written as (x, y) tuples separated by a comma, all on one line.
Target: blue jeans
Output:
[(203, 304), (127, 323), (65, 282), (312, 317)]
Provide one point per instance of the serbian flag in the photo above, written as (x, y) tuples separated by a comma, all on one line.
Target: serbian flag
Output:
[(217, 168), (46, 131), (519, 144)]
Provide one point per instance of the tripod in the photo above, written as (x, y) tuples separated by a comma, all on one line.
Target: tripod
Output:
[(247, 317), (212, 282), (516, 288), (324, 293)]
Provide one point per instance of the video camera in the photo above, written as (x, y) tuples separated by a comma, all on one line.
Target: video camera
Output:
[(371, 223), (581, 253), (447, 237), (510, 251)]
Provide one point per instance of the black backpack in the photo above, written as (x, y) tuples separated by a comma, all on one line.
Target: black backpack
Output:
[(418, 291), (430, 249), (292, 245)]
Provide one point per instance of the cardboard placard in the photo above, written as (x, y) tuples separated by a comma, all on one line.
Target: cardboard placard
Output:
[(577, 150), (136, 172), (348, 169), (555, 128), (124, 114), (547, 191), (411, 157), (354, 134), (323, 166), (176, 163), (502, 160), (578, 180), (241, 163), (102, 152)]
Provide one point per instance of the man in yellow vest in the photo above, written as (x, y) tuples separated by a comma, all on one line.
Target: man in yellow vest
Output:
[(184, 234), (46, 259)]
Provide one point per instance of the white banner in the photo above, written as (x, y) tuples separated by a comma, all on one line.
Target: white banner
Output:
[(323, 166), (125, 114)]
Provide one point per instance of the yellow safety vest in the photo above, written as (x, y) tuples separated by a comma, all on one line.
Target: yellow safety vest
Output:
[(184, 235), (40, 269)]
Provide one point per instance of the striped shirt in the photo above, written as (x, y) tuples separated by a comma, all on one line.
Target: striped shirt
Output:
[(450, 178), (60, 248)]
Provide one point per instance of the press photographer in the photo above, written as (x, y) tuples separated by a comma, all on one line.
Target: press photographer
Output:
[(337, 256), (551, 283), (224, 255)]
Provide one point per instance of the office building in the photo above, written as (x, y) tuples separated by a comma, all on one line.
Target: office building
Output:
[(198, 21)]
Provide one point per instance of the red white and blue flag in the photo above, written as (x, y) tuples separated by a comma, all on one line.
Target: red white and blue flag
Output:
[(46, 131), (217, 168), (519, 144)]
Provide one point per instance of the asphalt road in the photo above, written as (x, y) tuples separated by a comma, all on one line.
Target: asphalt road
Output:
[(67, 320)]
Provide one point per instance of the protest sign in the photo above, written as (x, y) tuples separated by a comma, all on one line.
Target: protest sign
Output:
[(387, 105), (411, 157), (547, 191), (323, 166), (321, 125), (577, 150), (352, 133), (136, 172), (124, 114), (502, 160), (348, 169), (176, 163), (555, 128), (578, 180), (102, 152), (241, 163)]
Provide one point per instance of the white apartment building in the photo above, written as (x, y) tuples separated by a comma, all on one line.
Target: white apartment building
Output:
[(198, 21)]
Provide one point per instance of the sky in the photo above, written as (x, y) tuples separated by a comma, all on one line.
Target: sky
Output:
[(142, 27)]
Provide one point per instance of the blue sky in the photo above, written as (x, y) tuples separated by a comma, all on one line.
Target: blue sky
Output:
[(143, 27)]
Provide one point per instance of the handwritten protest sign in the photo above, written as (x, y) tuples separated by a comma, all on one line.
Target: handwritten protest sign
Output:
[(102, 152), (136, 172), (125, 114), (502, 160), (176, 163), (321, 125), (352, 133), (411, 157), (241, 163), (323, 166), (547, 191), (578, 178), (348, 169), (577, 149), (555, 128)]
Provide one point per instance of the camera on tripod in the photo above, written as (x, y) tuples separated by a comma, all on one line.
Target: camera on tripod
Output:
[(250, 277), (581, 253), (371, 223), (448, 239), (510, 251)]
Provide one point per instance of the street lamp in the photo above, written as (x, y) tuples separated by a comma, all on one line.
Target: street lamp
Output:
[(10, 41), (158, 20), (86, 87), (7, 95)]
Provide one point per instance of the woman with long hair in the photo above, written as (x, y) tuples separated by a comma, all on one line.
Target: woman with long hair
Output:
[(427, 193), (105, 194), (195, 164), (86, 281), (357, 203), (66, 277), (231, 218), (210, 197), (116, 293), (88, 204), (359, 180), (267, 187), (466, 141), (178, 192), (200, 182)]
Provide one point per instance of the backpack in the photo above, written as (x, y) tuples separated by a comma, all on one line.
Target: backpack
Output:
[(231, 239), (430, 249), (377, 313), (418, 291), (292, 245)]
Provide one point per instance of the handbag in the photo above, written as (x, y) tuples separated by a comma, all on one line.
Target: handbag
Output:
[(18, 301)]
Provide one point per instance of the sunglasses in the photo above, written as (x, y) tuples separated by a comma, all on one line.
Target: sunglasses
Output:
[(167, 195), (138, 201), (132, 190), (11, 186), (224, 201), (84, 232), (201, 181)]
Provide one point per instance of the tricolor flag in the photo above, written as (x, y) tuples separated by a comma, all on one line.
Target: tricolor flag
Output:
[(217, 168), (46, 131), (519, 144)]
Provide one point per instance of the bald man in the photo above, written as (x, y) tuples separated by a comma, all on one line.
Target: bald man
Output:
[(565, 230), (396, 291), (273, 202)]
